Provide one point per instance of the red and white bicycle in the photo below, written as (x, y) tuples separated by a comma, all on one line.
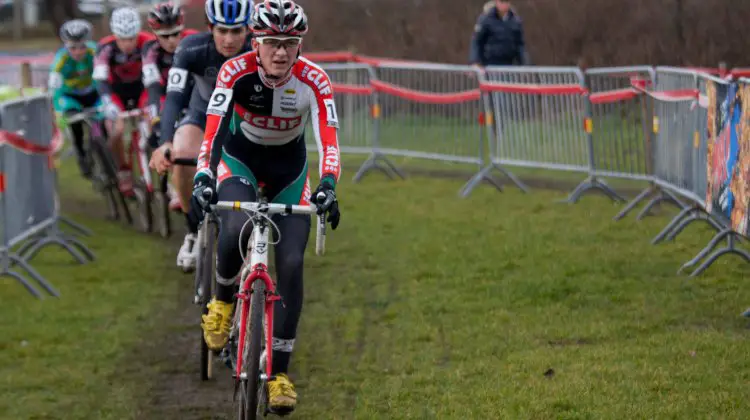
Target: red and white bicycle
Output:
[(252, 330)]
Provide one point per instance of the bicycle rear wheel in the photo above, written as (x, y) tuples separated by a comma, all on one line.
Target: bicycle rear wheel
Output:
[(104, 176), (108, 165), (249, 409), (143, 201)]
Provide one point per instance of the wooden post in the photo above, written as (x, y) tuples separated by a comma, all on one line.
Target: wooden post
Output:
[(26, 80)]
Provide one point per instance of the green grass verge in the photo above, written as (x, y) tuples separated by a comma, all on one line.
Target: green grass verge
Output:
[(425, 306), (431, 307), (67, 357)]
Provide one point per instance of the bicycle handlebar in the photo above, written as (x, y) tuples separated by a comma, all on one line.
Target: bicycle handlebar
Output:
[(82, 115), (133, 113), (180, 161), (273, 208)]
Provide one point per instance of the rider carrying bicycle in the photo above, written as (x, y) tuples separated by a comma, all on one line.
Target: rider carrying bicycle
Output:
[(167, 22), (118, 74), (255, 133), (199, 58), (71, 81)]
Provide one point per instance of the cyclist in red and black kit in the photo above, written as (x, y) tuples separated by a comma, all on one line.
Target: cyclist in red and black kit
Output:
[(117, 70), (166, 20)]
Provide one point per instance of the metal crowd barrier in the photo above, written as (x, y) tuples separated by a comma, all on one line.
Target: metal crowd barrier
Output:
[(542, 120), (696, 120), (29, 205), (641, 124)]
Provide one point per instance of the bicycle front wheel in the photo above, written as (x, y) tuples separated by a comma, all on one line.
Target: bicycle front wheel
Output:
[(206, 288), (249, 406)]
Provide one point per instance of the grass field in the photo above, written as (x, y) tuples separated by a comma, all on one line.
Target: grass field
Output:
[(431, 307), (425, 306), (67, 358)]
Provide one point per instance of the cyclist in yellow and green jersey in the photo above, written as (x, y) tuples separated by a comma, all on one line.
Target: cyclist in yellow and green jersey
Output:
[(71, 80)]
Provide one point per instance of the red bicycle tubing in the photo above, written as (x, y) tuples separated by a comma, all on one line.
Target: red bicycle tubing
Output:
[(258, 273), (240, 344), (268, 308)]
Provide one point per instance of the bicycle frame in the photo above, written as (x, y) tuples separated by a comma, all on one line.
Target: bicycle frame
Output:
[(91, 118), (256, 268), (88, 117), (138, 149)]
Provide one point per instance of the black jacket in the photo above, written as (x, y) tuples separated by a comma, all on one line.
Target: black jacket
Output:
[(498, 40)]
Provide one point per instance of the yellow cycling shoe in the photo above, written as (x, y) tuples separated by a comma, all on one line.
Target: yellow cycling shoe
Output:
[(217, 323), (281, 395)]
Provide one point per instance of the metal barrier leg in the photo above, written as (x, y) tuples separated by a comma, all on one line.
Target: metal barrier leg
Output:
[(592, 183), (729, 249), (75, 226), (44, 242), (5, 270), (514, 179), (477, 179), (663, 197), (706, 250), (697, 216), (14, 259), (486, 174), (54, 236), (634, 202), (664, 232), (373, 162)]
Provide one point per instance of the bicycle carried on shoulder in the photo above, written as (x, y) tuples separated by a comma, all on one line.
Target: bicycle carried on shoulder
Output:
[(250, 338)]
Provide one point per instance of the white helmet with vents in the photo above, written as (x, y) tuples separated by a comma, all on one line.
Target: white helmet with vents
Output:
[(125, 22)]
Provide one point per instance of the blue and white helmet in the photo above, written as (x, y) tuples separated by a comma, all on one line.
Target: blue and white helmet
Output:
[(125, 22), (229, 13)]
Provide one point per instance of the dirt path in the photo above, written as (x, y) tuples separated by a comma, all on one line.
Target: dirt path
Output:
[(177, 391), (171, 355)]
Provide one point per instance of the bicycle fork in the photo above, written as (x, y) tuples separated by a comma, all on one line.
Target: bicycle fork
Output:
[(260, 272)]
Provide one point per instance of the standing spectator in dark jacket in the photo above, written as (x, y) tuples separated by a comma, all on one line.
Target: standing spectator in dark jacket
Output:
[(498, 38)]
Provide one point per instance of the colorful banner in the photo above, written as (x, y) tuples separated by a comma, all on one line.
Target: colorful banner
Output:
[(724, 116), (741, 180)]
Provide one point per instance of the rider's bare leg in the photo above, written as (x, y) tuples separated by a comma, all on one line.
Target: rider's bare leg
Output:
[(186, 145), (116, 131)]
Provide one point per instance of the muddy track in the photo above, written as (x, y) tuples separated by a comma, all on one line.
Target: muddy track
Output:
[(177, 391), (171, 352)]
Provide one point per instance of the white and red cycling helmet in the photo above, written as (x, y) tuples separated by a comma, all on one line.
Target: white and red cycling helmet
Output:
[(166, 17), (278, 17)]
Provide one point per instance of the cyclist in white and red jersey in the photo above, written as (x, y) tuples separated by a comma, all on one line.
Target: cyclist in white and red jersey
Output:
[(167, 21), (255, 133), (117, 70)]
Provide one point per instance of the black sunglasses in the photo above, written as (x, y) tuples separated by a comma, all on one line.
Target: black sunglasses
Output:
[(172, 35)]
